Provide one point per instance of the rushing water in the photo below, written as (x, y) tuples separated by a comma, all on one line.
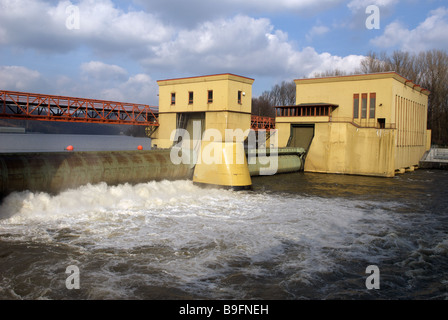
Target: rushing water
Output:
[(294, 236)]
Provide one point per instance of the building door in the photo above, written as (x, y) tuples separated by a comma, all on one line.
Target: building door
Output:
[(301, 136)]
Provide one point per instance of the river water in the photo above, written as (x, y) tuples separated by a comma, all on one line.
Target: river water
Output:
[(294, 236)]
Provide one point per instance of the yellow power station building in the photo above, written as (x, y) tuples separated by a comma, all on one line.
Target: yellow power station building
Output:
[(373, 124), (220, 102)]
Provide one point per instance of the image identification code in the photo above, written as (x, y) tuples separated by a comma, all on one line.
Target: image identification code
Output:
[(227, 309)]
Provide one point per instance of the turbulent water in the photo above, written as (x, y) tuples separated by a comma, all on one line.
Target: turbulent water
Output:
[(294, 236)]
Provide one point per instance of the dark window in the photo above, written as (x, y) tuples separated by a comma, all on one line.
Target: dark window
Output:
[(356, 106), (210, 96), (372, 105), (240, 93), (173, 98), (364, 106), (190, 97), (382, 123)]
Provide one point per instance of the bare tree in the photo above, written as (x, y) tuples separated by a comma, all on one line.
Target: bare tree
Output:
[(433, 75), (261, 106), (283, 94), (373, 63), (330, 73)]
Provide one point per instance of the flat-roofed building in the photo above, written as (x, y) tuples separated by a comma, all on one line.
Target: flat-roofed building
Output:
[(220, 102), (372, 124)]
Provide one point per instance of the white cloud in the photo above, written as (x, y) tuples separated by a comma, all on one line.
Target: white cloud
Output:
[(190, 13), (102, 71), (356, 5), (18, 78), (103, 26), (328, 62), (317, 31), (139, 88), (431, 33), (242, 45)]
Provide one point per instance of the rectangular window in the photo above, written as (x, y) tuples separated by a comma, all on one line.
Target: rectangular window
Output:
[(173, 98), (210, 96), (190, 97), (372, 105), (356, 106), (364, 106), (240, 93), (382, 123)]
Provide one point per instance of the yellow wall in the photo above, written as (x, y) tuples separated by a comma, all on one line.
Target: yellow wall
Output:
[(225, 112), (343, 148), (344, 144)]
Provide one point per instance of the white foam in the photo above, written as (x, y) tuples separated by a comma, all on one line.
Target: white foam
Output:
[(204, 229)]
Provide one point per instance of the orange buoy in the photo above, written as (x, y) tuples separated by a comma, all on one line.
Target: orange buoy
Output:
[(69, 148), (140, 148)]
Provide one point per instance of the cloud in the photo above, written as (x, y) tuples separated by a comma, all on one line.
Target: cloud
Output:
[(356, 5), (193, 12), (317, 31), (431, 33), (139, 88), (101, 71), (236, 43), (239, 44), (242, 45), (102, 26), (18, 78)]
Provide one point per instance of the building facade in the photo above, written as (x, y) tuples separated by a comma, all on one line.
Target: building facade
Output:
[(219, 102), (373, 124)]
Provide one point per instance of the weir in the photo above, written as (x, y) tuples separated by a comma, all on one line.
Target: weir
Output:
[(53, 172)]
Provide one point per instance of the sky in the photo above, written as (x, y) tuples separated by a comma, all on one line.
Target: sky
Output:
[(117, 50)]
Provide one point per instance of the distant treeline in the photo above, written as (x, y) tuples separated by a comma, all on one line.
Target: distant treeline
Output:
[(428, 69)]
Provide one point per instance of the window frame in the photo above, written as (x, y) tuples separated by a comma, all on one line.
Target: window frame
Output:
[(372, 110), (356, 106), (209, 96), (364, 105)]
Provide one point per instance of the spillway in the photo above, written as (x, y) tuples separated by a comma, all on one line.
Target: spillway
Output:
[(53, 172)]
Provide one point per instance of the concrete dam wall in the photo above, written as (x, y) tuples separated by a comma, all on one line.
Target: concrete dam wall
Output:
[(53, 172)]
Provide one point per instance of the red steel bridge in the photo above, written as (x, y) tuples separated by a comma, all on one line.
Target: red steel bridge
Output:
[(43, 107)]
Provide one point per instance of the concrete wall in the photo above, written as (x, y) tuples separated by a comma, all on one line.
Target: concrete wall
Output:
[(343, 148)]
